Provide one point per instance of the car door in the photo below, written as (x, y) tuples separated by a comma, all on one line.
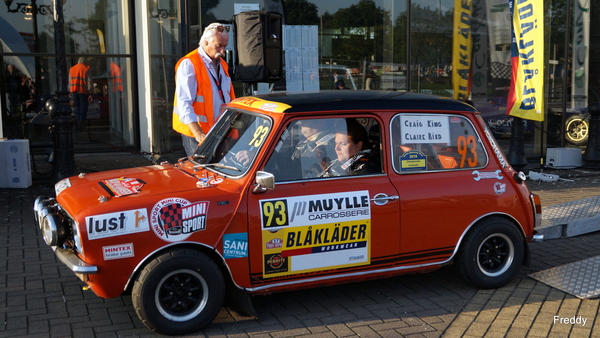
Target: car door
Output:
[(320, 226)]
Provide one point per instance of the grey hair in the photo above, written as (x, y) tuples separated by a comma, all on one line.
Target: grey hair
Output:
[(210, 32)]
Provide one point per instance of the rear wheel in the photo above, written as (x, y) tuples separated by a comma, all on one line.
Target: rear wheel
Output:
[(179, 292), (491, 253)]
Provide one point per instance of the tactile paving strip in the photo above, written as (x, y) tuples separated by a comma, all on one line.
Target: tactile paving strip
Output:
[(580, 279), (565, 212)]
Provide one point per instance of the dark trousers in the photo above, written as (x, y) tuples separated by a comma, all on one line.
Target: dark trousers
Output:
[(80, 101)]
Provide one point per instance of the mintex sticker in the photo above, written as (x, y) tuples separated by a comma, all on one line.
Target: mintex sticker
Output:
[(315, 232), (117, 223), (117, 251), (235, 245), (175, 219), (122, 186)]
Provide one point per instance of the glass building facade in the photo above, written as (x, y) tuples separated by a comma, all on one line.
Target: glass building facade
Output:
[(132, 47)]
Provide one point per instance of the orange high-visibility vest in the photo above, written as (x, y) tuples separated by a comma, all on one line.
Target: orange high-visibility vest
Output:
[(203, 104), (78, 79), (115, 74)]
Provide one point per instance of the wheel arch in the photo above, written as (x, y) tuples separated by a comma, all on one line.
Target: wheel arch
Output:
[(482, 219), (231, 288)]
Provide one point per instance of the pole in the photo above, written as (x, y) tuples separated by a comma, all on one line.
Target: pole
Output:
[(62, 121), (516, 153), (591, 157)]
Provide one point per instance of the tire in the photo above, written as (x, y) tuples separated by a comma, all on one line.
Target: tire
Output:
[(179, 292), (577, 130), (491, 253)]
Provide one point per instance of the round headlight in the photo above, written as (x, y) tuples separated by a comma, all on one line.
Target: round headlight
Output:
[(53, 230), (41, 203), (77, 238)]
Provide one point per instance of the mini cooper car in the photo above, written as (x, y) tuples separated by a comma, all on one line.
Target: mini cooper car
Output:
[(291, 191)]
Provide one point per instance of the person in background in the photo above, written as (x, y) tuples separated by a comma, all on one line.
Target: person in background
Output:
[(202, 85), (13, 81), (80, 86)]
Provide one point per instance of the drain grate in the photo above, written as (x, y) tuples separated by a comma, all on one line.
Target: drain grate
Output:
[(580, 279)]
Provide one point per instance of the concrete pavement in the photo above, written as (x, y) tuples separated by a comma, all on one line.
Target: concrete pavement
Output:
[(40, 297)]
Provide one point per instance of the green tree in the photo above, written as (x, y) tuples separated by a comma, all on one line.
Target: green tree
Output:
[(301, 12)]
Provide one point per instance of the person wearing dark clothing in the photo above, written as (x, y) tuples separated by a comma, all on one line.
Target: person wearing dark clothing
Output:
[(355, 156), (80, 86), (13, 82)]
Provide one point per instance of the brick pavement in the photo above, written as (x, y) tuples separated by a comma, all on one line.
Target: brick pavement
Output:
[(40, 297)]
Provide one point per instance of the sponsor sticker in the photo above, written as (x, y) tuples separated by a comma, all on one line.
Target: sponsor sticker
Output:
[(413, 160), (480, 175), (499, 188), (315, 232), (118, 251), (62, 185), (122, 186), (117, 223), (176, 219), (235, 245)]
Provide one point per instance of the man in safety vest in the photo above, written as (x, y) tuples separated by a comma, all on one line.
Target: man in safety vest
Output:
[(80, 86), (202, 85)]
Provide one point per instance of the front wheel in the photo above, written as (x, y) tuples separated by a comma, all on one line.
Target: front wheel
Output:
[(491, 253), (179, 292)]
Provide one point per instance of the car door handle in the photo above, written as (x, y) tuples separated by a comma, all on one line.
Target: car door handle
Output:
[(381, 198)]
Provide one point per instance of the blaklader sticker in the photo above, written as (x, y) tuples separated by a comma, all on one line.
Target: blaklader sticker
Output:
[(315, 232)]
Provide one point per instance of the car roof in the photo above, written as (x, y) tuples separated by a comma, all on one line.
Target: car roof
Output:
[(373, 100)]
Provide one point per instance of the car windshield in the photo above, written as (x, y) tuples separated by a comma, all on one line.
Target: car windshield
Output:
[(232, 144)]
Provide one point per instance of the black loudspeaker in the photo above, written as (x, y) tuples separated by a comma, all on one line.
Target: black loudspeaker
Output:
[(258, 46)]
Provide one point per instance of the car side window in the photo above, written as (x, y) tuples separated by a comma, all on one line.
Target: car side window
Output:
[(315, 148), (435, 142)]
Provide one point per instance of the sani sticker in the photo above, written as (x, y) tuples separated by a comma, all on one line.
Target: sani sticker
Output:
[(315, 232), (235, 245), (175, 219)]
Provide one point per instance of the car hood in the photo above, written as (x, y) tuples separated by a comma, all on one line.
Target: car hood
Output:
[(137, 187)]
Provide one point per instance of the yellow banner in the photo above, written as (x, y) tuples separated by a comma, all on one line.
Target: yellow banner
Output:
[(461, 49), (526, 96)]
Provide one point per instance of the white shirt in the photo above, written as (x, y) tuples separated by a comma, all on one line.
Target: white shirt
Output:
[(186, 86)]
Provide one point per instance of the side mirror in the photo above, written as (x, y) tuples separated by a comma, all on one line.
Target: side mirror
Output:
[(264, 181)]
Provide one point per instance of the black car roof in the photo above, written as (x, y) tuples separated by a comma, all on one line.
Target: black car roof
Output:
[(331, 100)]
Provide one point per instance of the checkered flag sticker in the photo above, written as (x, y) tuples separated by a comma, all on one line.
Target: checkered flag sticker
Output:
[(501, 71), (170, 218)]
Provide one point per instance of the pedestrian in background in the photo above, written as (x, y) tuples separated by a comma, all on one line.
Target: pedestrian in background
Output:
[(13, 81), (202, 85), (80, 86)]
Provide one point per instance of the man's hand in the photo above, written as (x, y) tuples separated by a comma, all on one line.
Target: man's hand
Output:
[(200, 138), (243, 157)]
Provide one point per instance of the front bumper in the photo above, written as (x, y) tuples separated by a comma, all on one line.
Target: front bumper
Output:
[(74, 263)]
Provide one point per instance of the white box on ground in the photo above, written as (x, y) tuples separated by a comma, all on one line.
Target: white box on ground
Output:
[(563, 158), (15, 167)]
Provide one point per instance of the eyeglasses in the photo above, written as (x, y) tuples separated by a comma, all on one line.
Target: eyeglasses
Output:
[(219, 28)]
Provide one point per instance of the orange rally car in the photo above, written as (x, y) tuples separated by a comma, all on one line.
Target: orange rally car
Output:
[(292, 191)]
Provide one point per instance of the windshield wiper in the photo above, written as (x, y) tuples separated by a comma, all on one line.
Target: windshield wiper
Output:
[(217, 165)]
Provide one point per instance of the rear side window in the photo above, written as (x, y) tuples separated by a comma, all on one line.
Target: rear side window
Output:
[(435, 142)]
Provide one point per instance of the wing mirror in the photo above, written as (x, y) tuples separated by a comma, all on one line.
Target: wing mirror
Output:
[(264, 181)]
